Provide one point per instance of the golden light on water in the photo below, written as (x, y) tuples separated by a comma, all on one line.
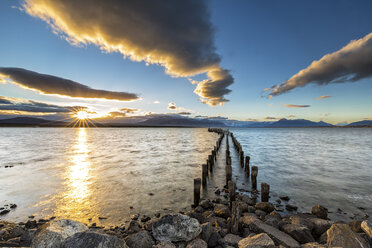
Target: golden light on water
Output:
[(76, 200)]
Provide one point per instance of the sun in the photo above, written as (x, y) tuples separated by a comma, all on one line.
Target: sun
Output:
[(82, 115)]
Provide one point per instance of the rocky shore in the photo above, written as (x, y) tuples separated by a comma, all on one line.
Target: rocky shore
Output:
[(211, 224)]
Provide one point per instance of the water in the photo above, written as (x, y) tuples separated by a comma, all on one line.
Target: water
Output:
[(102, 172)]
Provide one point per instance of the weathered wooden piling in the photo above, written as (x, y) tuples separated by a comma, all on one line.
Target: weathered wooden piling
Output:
[(197, 184), (228, 169), (235, 215), (232, 188), (265, 192), (247, 159), (242, 159), (254, 174), (204, 174)]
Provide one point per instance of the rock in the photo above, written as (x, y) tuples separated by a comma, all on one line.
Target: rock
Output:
[(320, 226), (300, 233), (279, 237), (206, 204), (30, 224), (246, 220), (12, 205), (145, 219), (197, 243), (272, 221), (54, 233), (265, 206), (299, 220), (356, 226), (133, 227), (284, 198), (176, 227), (367, 227), (231, 239), (313, 245), (217, 191), (4, 211), (213, 240), (342, 235), (141, 239), (93, 240), (257, 241), (290, 207), (319, 211), (222, 210), (207, 230), (165, 244)]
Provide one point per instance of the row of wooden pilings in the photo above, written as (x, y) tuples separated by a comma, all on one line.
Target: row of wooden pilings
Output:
[(208, 166), (230, 184)]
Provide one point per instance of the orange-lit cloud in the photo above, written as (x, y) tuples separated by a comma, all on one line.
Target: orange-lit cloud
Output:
[(177, 35), (349, 64), (48, 84), (323, 97), (270, 118), (172, 106), (297, 106)]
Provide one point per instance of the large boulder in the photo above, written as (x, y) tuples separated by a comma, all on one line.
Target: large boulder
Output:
[(342, 235), (176, 227), (207, 230), (319, 211), (54, 233), (165, 244), (313, 245), (300, 233), (265, 206), (222, 210), (231, 240), (257, 241), (320, 226), (279, 237), (197, 243), (367, 227), (93, 240), (141, 239), (10, 230)]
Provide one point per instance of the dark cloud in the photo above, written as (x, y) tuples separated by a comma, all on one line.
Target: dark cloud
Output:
[(172, 106), (14, 104), (3, 100), (175, 34), (49, 84), (128, 110), (297, 106), (270, 118), (349, 64), (184, 113)]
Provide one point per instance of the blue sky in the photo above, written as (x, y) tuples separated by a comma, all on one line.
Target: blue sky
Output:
[(262, 43)]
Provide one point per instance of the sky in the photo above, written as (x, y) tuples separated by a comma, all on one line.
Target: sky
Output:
[(244, 60)]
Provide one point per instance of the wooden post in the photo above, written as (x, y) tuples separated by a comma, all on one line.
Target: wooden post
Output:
[(235, 215), (232, 188), (209, 165), (254, 177), (211, 160), (242, 159), (265, 191), (247, 158), (197, 183), (228, 174), (204, 174)]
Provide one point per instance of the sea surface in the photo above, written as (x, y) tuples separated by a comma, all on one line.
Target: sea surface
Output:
[(88, 173)]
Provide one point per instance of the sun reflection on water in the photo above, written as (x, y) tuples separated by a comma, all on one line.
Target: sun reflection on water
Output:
[(76, 200)]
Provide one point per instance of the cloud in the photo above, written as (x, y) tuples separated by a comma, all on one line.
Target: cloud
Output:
[(297, 106), (172, 106), (129, 110), (270, 118), (177, 35), (184, 113), (349, 64), (156, 102), (117, 114), (323, 97), (15, 104), (48, 84)]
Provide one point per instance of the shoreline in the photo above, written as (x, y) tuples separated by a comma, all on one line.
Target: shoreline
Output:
[(233, 218)]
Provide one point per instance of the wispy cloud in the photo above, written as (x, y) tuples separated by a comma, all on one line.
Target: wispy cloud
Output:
[(175, 34), (48, 84), (156, 102), (184, 113), (349, 64), (270, 118), (323, 97), (129, 110), (297, 106)]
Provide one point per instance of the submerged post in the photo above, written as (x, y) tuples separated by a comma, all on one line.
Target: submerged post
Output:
[(265, 191), (242, 159), (204, 174), (254, 177), (197, 183), (247, 158), (228, 174)]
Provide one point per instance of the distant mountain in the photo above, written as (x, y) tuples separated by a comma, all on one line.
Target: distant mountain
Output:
[(299, 123), (24, 120), (171, 121), (361, 123)]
